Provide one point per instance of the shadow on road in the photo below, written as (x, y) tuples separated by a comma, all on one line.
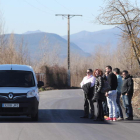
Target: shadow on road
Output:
[(136, 120), (53, 116)]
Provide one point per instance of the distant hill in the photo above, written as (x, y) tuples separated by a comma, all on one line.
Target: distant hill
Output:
[(87, 41), (54, 42), (82, 43), (31, 32)]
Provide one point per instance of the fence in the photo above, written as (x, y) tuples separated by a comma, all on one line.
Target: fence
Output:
[(40, 76), (53, 76)]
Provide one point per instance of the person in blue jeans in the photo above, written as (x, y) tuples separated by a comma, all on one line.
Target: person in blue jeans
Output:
[(111, 94), (116, 71), (127, 94)]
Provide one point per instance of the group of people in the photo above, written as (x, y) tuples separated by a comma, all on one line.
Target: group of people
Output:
[(108, 102)]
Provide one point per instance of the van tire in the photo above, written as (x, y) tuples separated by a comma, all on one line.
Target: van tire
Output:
[(35, 118)]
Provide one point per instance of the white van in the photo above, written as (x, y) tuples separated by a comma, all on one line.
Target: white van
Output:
[(19, 91)]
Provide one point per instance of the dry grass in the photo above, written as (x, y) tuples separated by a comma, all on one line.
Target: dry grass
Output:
[(55, 76)]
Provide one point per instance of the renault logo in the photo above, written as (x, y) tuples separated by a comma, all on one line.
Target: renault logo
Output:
[(10, 95)]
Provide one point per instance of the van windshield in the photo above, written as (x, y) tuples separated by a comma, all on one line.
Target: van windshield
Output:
[(16, 78)]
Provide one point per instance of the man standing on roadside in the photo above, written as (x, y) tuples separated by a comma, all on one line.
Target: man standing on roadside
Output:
[(87, 85), (127, 93), (116, 71), (112, 94)]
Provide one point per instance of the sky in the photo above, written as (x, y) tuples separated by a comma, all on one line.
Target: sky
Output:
[(21, 16)]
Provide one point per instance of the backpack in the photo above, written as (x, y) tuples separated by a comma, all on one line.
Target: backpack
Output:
[(106, 87)]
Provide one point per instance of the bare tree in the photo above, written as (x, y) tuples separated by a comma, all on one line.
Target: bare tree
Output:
[(3, 39), (47, 56), (22, 52), (124, 59), (127, 17)]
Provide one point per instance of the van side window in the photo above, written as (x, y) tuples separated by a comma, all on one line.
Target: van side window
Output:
[(16, 78)]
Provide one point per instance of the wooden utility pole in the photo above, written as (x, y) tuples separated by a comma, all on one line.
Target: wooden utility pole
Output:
[(68, 16)]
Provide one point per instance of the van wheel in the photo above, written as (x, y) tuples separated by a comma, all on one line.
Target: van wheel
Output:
[(35, 118)]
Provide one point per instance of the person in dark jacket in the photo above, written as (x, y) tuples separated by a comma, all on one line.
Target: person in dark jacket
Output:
[(98, 95), (127, 93), (112, 94), (87, 85), (104, 103)]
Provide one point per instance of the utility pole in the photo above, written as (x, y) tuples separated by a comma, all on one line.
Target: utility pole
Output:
[(68, 16)]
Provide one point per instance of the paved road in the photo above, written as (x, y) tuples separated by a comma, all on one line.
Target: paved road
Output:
[(59, 113)]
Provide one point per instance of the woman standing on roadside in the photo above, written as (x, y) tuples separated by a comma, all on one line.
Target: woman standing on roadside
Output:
[(98, 95), (104, 103)]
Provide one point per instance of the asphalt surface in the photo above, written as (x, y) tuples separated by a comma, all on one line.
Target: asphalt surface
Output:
[(59, 113)]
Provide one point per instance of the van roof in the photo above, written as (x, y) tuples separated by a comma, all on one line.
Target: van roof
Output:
[(15, 67)]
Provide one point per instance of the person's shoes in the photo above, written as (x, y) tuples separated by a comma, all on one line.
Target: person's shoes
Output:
[(105, 117), (84, 117), (114, 119), (120, 119), (109, 119), (129, 118)]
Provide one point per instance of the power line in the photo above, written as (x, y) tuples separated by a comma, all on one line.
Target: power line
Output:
[(71, 10), (87, 18), (37, 8), (45, 6), (64, 6)]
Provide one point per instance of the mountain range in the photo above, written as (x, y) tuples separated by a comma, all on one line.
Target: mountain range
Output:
[(87, 41), (82, 43), (36, 41)]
